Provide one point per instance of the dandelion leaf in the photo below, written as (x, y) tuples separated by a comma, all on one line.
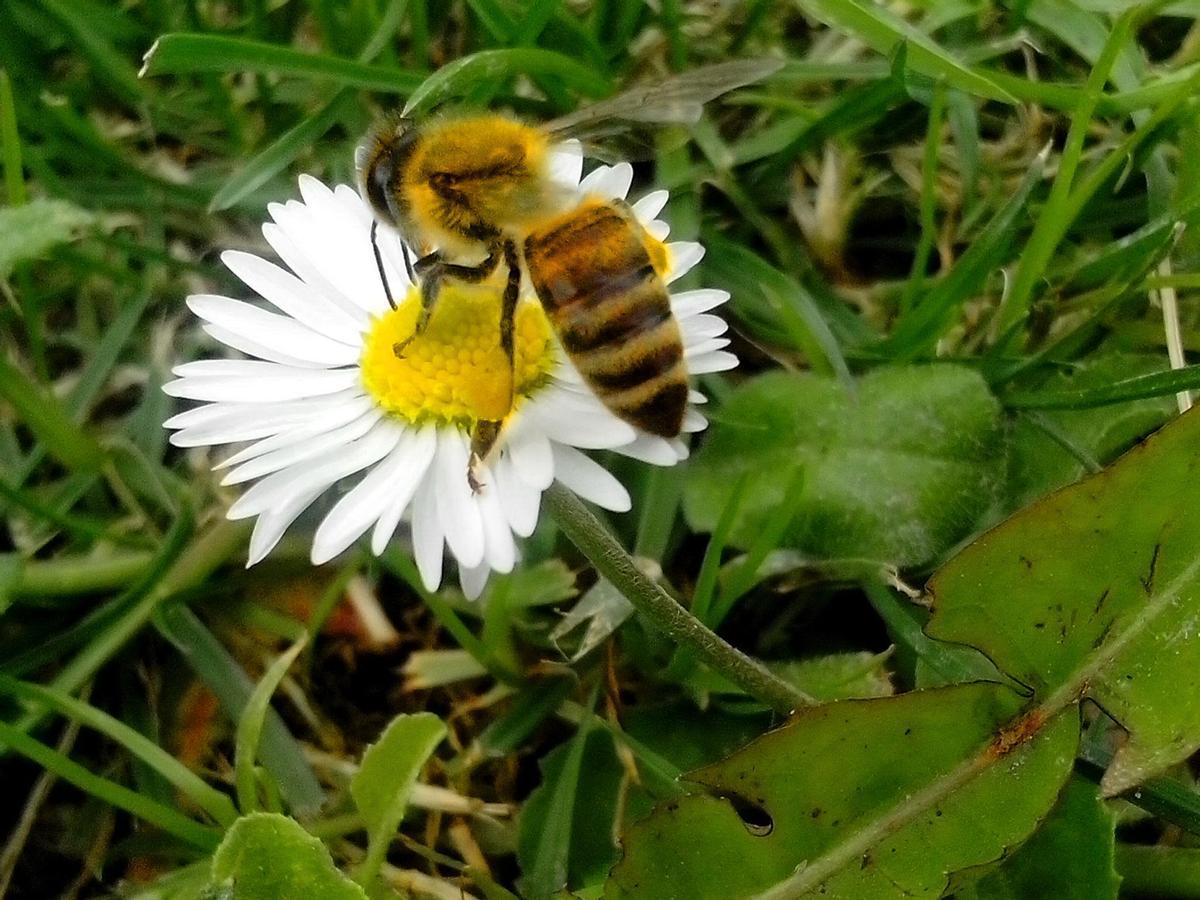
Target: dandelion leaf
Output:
[(861, 798)]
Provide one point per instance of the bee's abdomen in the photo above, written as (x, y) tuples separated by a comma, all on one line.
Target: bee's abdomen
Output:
[(612, 314)]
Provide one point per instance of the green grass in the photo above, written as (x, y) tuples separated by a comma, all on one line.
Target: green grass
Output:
[(957, 220)]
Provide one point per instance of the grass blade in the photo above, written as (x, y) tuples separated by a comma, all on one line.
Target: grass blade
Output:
[(1156, 384), (208, 798), (493, 66), (109, 791), (250, 727), (184, 54), (883, 32), (280, 754), (280, 154)]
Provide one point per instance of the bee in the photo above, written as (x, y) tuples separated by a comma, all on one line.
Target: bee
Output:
[(472, 191)]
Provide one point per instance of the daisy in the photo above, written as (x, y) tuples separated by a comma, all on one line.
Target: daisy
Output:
[(323, 398)]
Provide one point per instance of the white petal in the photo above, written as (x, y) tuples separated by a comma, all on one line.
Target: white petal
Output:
[(578, 420), (681, 449), (593, 178), (292, 296), (718, 361), (274, 522), (650, 448), (499, 550), (300, 450), (650, 206), (348, 235), (279, 333), (702, 327), (427, 535), (267, 382), (224, 423), (318, 473), (519, 499), (693, 421), (340, 249), (457, 507), (473, 580), (589, 479), (419, 449), (321, 419), (706, 346), (255, 349), (302, 264), (566, 164), (684, 256), (366, 502), (697, 398), (658, 229), (612, 183), (690, 303), (531, 456)]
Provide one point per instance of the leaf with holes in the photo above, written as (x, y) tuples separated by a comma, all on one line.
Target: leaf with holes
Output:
[(1094, 593), (863, 798), (897, 471)]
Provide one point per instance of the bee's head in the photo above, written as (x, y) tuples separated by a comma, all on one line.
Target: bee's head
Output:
[(380, 161)]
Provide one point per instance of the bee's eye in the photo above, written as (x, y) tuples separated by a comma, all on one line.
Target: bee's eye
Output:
[(377, 181)]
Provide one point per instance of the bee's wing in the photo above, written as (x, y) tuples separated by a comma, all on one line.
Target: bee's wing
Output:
[(680, 98)]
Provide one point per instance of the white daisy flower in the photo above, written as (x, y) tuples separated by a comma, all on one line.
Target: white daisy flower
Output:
[(324, 397)]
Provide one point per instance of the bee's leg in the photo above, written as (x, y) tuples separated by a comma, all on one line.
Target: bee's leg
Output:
[(483, 438), (485, 433), (508, 310), (431, 269)]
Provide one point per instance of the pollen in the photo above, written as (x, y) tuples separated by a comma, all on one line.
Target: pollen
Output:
[(456, 372)]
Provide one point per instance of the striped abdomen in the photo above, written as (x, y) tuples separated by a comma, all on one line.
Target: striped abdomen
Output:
[(612, 313)]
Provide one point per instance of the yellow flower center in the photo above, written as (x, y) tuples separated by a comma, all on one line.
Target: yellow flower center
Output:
[(456, 372)]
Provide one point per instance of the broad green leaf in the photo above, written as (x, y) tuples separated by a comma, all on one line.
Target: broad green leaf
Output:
[(1070, 857), (266, 856), (838, 676), (871, 798), (1093, 593), (28, 231), (385, 778), (896, 472), (1040, 462)]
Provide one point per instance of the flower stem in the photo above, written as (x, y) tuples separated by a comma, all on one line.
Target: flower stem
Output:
[(616, 565)]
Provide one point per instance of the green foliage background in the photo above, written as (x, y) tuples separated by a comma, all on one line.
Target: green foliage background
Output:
[(958, 235)]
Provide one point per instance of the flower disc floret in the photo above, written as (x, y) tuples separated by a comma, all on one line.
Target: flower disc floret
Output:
[(456, 371)]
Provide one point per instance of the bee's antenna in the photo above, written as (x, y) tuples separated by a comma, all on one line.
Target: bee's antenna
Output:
[(379, 263)]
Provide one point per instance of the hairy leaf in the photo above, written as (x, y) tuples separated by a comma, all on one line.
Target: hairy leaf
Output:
[(896, 472), (26, 232), (266, 856)]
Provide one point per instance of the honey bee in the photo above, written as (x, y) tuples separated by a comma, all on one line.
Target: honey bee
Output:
[(461, 187)]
